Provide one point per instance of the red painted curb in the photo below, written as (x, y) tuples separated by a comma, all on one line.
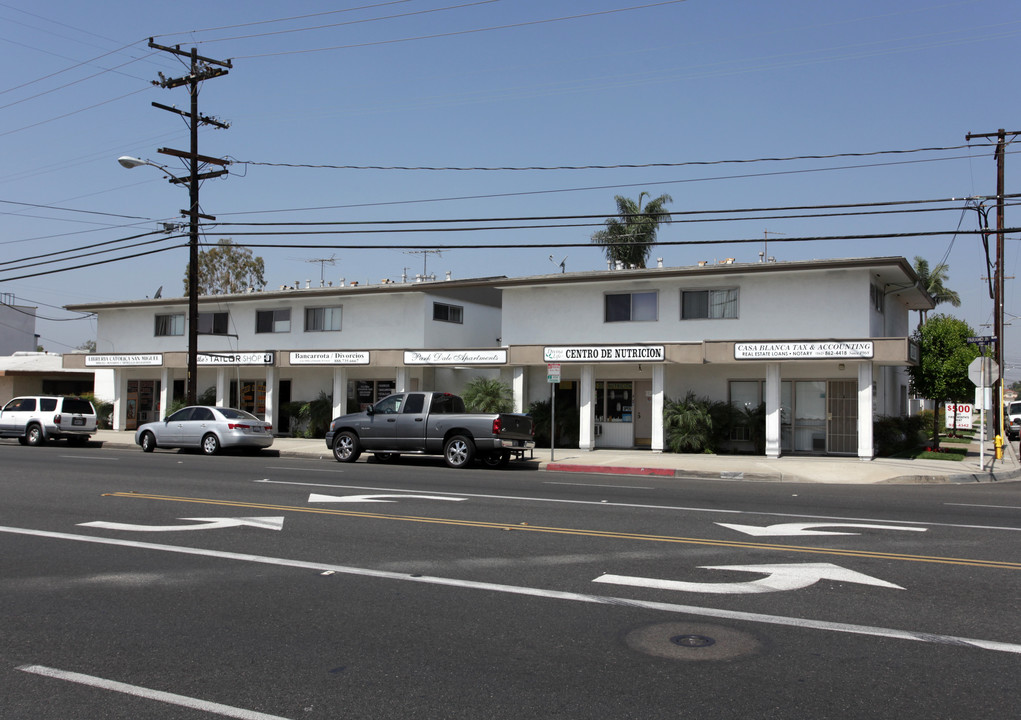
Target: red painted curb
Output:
[(611, 470)]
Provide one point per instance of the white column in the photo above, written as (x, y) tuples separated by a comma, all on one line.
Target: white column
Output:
[(519, 388), (658, 400), (271, 384), (865, 450), (166, 391), (401, 379), (339, 391), (119, 417), (587, 408), (222, 387), (773, 410)]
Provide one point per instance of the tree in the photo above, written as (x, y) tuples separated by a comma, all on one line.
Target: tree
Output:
[(88, 346), (487, 396), (932, 281), (941, 374), (227, 269), (629, 237)]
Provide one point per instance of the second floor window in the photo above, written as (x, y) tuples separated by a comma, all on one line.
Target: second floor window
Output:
[(273, 321), (322, 319), (448, 313), (167, 325), (214, 323), (630, 307), (709, 304)]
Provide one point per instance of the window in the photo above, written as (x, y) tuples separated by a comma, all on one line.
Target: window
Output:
[(631, 307), (709, 304), (273, 321), (214, 323), (878, 298), (415, 404), (322, 319), (167, 325), (448, 313), (745, 398)]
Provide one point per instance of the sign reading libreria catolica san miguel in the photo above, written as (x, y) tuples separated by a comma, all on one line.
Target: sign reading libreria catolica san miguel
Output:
[(605, 353), (823, 350)]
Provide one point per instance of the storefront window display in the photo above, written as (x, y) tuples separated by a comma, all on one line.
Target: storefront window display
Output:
[(365, 393)]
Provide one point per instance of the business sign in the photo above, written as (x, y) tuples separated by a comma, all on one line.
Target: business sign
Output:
[(330, 357), (824, 350), (455, 357), (229, 358), (604, 353), (959, 416), (124, 360)]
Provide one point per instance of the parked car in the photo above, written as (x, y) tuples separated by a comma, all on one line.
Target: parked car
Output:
[(206, 428), (37, 418), (1013, 421), (430, 423)]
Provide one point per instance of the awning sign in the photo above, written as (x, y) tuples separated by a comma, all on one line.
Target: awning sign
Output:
[(229, 358), (604, 353), (455, 357), (330, 357), (144, 360), (825, 350)]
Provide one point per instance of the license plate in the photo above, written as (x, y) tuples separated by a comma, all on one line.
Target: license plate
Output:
[(256, 428), (77, 421)]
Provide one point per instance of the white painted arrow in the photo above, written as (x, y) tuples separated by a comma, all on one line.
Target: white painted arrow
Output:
[(376, 498), (266, 523), (779, 578), (806, 528)]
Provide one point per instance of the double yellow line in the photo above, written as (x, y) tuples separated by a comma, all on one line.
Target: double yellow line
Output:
[(1003, 565)]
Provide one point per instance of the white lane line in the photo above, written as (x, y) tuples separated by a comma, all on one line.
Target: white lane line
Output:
[(148, 694), (626, 487), (322, 470), (999, 507), (88, 457), (601, 503), (803, 623)]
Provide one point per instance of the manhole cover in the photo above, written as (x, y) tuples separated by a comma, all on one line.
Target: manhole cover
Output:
[(690, 641)]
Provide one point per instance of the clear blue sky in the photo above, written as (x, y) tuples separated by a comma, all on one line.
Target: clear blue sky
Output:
[(548, 83)]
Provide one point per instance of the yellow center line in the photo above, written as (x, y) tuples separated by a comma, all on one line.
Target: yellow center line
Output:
[(585, 533)]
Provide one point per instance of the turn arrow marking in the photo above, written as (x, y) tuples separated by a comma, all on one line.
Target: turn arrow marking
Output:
[(779, 578), (375, 498), (266, 523), (806, 529)]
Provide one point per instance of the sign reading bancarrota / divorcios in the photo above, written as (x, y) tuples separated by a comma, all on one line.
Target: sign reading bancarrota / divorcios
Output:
[(239, 358), (121, 360), (455, 357), (605, 353), (821, 350), (330, 357)]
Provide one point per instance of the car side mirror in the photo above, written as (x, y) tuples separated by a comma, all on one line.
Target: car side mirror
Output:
[(369, 411)]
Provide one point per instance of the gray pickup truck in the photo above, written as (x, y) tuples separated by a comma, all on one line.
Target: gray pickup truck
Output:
[(430, 423)]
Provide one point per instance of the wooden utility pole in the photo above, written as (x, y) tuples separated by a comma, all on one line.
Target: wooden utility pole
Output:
[(201, 68)]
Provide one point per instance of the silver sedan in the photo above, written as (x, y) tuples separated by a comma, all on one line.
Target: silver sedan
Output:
[(208, 429)]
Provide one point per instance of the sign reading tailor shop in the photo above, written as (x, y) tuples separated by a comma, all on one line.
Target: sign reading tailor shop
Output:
[(824, 350), (455, 357), (228, 358), (146, 360), (330, 357), (605, 353)]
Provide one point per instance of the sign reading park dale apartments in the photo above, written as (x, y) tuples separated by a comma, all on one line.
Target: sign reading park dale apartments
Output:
[(824, 350)]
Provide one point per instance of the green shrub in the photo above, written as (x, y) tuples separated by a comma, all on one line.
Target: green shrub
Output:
[(484, 395), (313, 416), (103, 411), (892, 435), (567, 423), (697, 425)]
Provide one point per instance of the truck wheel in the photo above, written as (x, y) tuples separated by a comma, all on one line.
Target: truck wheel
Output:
[(345, 447), (498, 459), (459, 451), (386, 457), (34, 435)]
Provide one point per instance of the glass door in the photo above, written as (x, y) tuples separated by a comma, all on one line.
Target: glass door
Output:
[(842, 417)]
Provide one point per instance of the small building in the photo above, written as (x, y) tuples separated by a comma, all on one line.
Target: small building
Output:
[(18, 323), (41, 373), (823, 344)]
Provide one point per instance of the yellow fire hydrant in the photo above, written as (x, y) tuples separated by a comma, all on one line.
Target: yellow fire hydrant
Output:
[(998, 443)]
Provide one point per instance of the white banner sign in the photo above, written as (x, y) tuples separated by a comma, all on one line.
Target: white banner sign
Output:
[(825, 350), (228, 358), (605, 353), (330, 357), (959, 416), (455, 357), (123, 360)]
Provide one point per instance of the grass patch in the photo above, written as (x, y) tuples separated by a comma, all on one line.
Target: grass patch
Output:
[(953, 454), (960, 440)]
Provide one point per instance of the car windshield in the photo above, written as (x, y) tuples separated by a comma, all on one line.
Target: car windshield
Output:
[(1015, 408), (234, 414)]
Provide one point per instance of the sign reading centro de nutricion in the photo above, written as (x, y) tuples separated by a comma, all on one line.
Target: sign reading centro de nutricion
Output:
[(825, 350), (605, 353)]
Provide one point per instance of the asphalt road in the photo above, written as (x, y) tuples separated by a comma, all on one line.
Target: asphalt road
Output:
[(132, 589)]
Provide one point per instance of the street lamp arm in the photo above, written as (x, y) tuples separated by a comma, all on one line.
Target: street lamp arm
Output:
[(131, 163)]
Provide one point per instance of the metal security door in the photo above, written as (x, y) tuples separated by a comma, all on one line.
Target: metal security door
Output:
[(842, 417)]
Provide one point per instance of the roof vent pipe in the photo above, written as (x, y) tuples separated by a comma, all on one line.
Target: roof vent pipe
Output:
[(448, 274), (659, 262)]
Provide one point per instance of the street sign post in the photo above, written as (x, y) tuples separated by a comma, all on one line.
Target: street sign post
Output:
[(983, 372), (552, 377)]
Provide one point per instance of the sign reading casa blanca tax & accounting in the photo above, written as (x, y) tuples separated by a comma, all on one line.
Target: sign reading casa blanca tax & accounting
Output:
[(824, 350), (605, 353), (455, 357), (330, 357)]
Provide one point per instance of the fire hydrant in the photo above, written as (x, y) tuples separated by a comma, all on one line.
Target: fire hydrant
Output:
[(998, 443)]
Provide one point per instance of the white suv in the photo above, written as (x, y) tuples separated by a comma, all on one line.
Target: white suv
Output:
[(37, 418), (1012, 424)]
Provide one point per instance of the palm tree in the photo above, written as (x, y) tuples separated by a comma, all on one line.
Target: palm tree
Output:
[(486, 395), (932, 281), (629, 237)]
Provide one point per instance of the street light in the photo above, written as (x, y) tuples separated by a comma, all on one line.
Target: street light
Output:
[(130, 163)]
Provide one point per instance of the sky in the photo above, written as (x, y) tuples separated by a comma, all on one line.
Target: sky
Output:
[(739, 111)]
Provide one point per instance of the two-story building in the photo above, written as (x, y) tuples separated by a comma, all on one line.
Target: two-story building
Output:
[(822, 343)]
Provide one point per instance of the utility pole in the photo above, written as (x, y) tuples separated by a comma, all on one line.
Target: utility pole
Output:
[(201, 68), (1000, 156)]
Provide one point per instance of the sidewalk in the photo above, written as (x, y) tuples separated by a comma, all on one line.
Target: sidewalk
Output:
[(748, 468)]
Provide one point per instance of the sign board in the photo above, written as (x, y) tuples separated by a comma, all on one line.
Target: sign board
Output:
[(553, 372), (990, 374), (604, 353), (238, 358), (100, 361), (983, 398), (455, 357), (828, 350), (330, 357), (959, 416)]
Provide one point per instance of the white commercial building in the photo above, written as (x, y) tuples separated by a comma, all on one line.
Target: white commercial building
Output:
[(823, 344)]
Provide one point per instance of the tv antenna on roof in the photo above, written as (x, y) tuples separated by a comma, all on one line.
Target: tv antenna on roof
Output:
[(425, 257), (562, 263), (323, 262)]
